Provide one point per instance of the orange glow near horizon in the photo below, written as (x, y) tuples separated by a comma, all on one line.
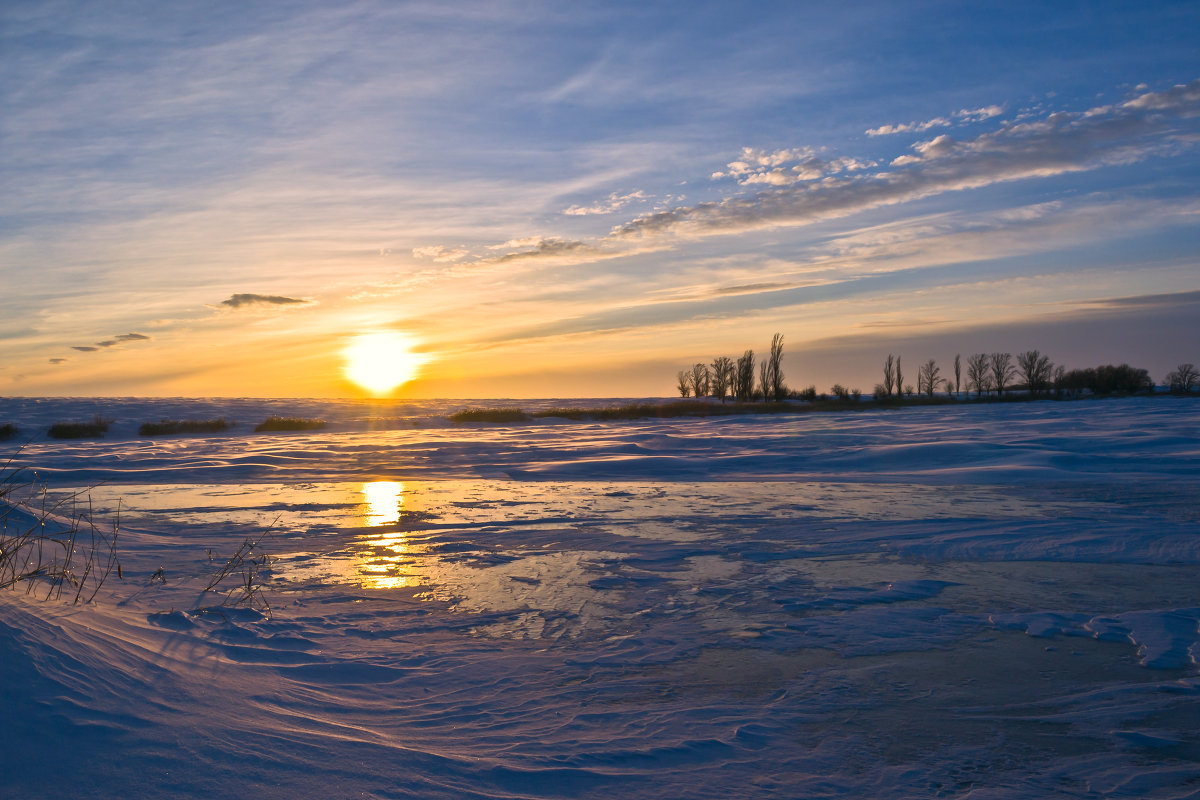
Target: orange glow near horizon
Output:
[(381, 362)]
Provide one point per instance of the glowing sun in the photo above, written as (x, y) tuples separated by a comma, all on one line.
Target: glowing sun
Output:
[(379, 362)]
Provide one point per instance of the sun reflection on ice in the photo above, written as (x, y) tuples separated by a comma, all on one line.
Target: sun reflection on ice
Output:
[(383, 500), (384, 557)]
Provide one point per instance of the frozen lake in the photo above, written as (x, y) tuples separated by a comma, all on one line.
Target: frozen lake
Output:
[(996, 601)]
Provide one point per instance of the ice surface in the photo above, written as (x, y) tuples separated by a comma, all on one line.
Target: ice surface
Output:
[(982, 602)]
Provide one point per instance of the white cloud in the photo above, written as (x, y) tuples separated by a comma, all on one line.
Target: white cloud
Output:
[(439, 253), (907, 127), (775, 177), (614, 202), (767, 167), (979, 114)]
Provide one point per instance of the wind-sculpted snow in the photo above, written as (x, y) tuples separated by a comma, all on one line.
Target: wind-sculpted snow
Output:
[(970, 602), (990, 444)]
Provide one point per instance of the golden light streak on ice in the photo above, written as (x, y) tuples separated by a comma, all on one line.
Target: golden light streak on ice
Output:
[(384, 557)]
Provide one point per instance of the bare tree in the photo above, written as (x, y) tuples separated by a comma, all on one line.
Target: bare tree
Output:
[(1060, 379), (927, 377), (700, 379), (1184, 378), (1002, 371), (957, 374), (764, 380), (899, 378), (889, 376), (685, 382), (977, 374), (778, 389), (1036, 369), (743, 381), (722, 376)]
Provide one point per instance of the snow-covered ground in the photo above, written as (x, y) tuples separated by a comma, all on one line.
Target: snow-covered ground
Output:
[(983, 602)]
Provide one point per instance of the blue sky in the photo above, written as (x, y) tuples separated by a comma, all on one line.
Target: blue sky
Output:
[(580, 199)]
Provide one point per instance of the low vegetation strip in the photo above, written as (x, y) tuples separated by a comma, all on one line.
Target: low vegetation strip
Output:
[(169, 426), (685, 408), (79, 430), (290, 424), (500, 415)]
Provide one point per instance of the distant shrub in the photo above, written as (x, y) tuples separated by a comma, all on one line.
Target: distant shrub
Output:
[(79, 430), (1184, 378), (8, 430), (500, 415), (809, 394), (290, 424), (1106, 379), (169, 426)]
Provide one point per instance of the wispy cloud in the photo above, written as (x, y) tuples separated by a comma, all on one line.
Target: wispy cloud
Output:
[(910, 127), (613, 203), (119, 339), (1061, 143), (1145, 301), (802, 189), (440, 254), (247, 300), (963, 115)]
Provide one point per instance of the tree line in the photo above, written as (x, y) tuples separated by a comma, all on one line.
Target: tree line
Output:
[(732, 378), (985, 374)]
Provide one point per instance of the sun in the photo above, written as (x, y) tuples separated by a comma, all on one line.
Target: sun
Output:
[(379, 362)]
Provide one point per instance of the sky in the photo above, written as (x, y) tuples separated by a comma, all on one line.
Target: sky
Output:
[(546, 199)]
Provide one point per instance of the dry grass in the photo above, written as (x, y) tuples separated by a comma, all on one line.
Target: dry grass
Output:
[(290, 424), (80, 430), (53, 545), (240, 580), (8, 431), (500, 415), (167, 427)]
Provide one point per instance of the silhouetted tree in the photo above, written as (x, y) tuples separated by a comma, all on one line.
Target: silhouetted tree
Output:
[(1184, 378), (889, 378), (778, 387), (927, 377), (743, 381), (1002, 371), (685, 382), (899, 378), (840, 392), (957, 374), (722, 376), (764, 380), (700, 380), (977, 374), (1036, 369)]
